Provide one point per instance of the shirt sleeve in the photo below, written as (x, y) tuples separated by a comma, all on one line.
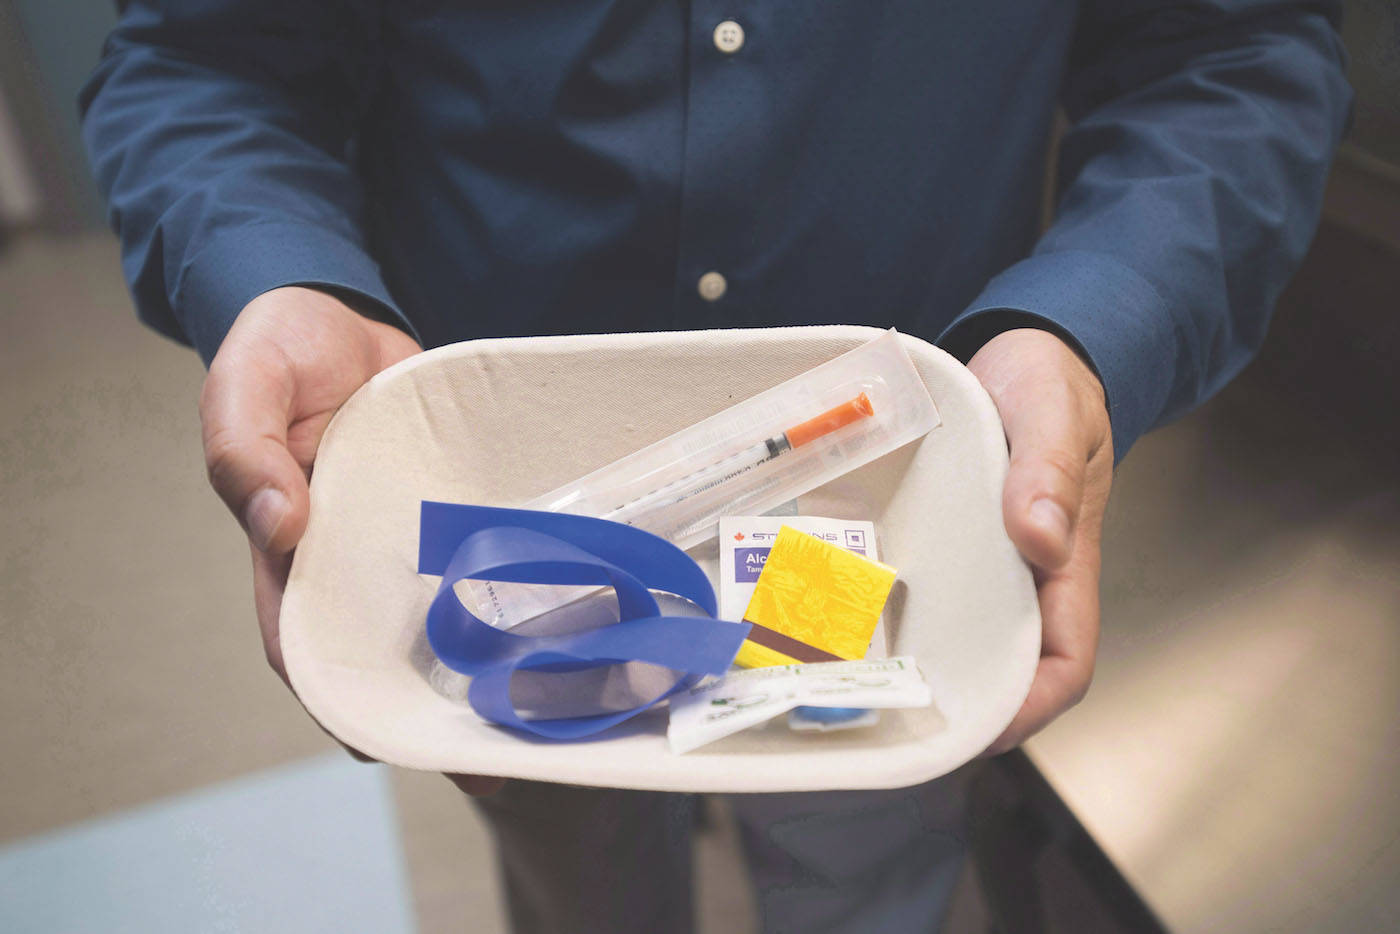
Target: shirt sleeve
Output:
[(1191, 182), (219, 133)]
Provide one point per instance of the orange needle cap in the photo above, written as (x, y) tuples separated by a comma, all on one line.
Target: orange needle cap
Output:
[(831, 420)]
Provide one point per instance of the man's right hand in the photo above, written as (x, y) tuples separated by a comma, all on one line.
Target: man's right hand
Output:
[(291, 359)]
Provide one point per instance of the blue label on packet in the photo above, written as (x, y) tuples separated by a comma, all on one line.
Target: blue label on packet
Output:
[(748, 563)]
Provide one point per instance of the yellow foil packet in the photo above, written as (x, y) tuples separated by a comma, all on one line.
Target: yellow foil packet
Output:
[(813, 602)]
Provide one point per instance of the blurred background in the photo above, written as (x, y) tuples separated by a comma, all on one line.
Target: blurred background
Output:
[(1233, 769)]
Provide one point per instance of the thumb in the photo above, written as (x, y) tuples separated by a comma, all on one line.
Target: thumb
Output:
[(1045, 481), (1051, 406), (245, 409), (1050, 442)]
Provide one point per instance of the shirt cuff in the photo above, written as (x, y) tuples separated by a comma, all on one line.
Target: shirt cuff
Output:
[(237, 265), (1120, 322)]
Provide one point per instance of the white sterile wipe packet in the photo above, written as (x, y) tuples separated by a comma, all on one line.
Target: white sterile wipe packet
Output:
[(742, 699)]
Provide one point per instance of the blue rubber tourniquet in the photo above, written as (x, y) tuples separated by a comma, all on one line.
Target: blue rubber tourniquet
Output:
[(524, 546)]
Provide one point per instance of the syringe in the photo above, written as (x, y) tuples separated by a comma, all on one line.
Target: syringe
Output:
[(726, 469)]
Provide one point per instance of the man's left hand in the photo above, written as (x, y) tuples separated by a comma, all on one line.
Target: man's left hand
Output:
[(1057, 427)]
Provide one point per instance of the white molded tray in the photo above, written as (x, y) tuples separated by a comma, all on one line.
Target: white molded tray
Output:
[(498, 421)]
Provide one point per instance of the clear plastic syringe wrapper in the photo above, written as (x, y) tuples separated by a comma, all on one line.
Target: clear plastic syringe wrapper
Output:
[(748, 459)]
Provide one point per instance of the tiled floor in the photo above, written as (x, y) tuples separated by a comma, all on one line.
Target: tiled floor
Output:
[(1237, 756)]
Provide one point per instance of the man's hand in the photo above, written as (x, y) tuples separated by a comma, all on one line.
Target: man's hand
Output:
[(1057, 427), (291, 359)]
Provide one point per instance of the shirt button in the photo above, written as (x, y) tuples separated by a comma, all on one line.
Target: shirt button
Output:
[(729, 37), (711, 286)]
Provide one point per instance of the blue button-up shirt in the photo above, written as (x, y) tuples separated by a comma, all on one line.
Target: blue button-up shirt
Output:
[(552, 166)]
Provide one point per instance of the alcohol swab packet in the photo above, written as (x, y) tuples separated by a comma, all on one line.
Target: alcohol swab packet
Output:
[(746, 541), (814, 602), (742, 699)]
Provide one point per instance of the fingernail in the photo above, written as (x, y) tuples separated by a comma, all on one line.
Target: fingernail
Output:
[(1048, 516), (264, 514)]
